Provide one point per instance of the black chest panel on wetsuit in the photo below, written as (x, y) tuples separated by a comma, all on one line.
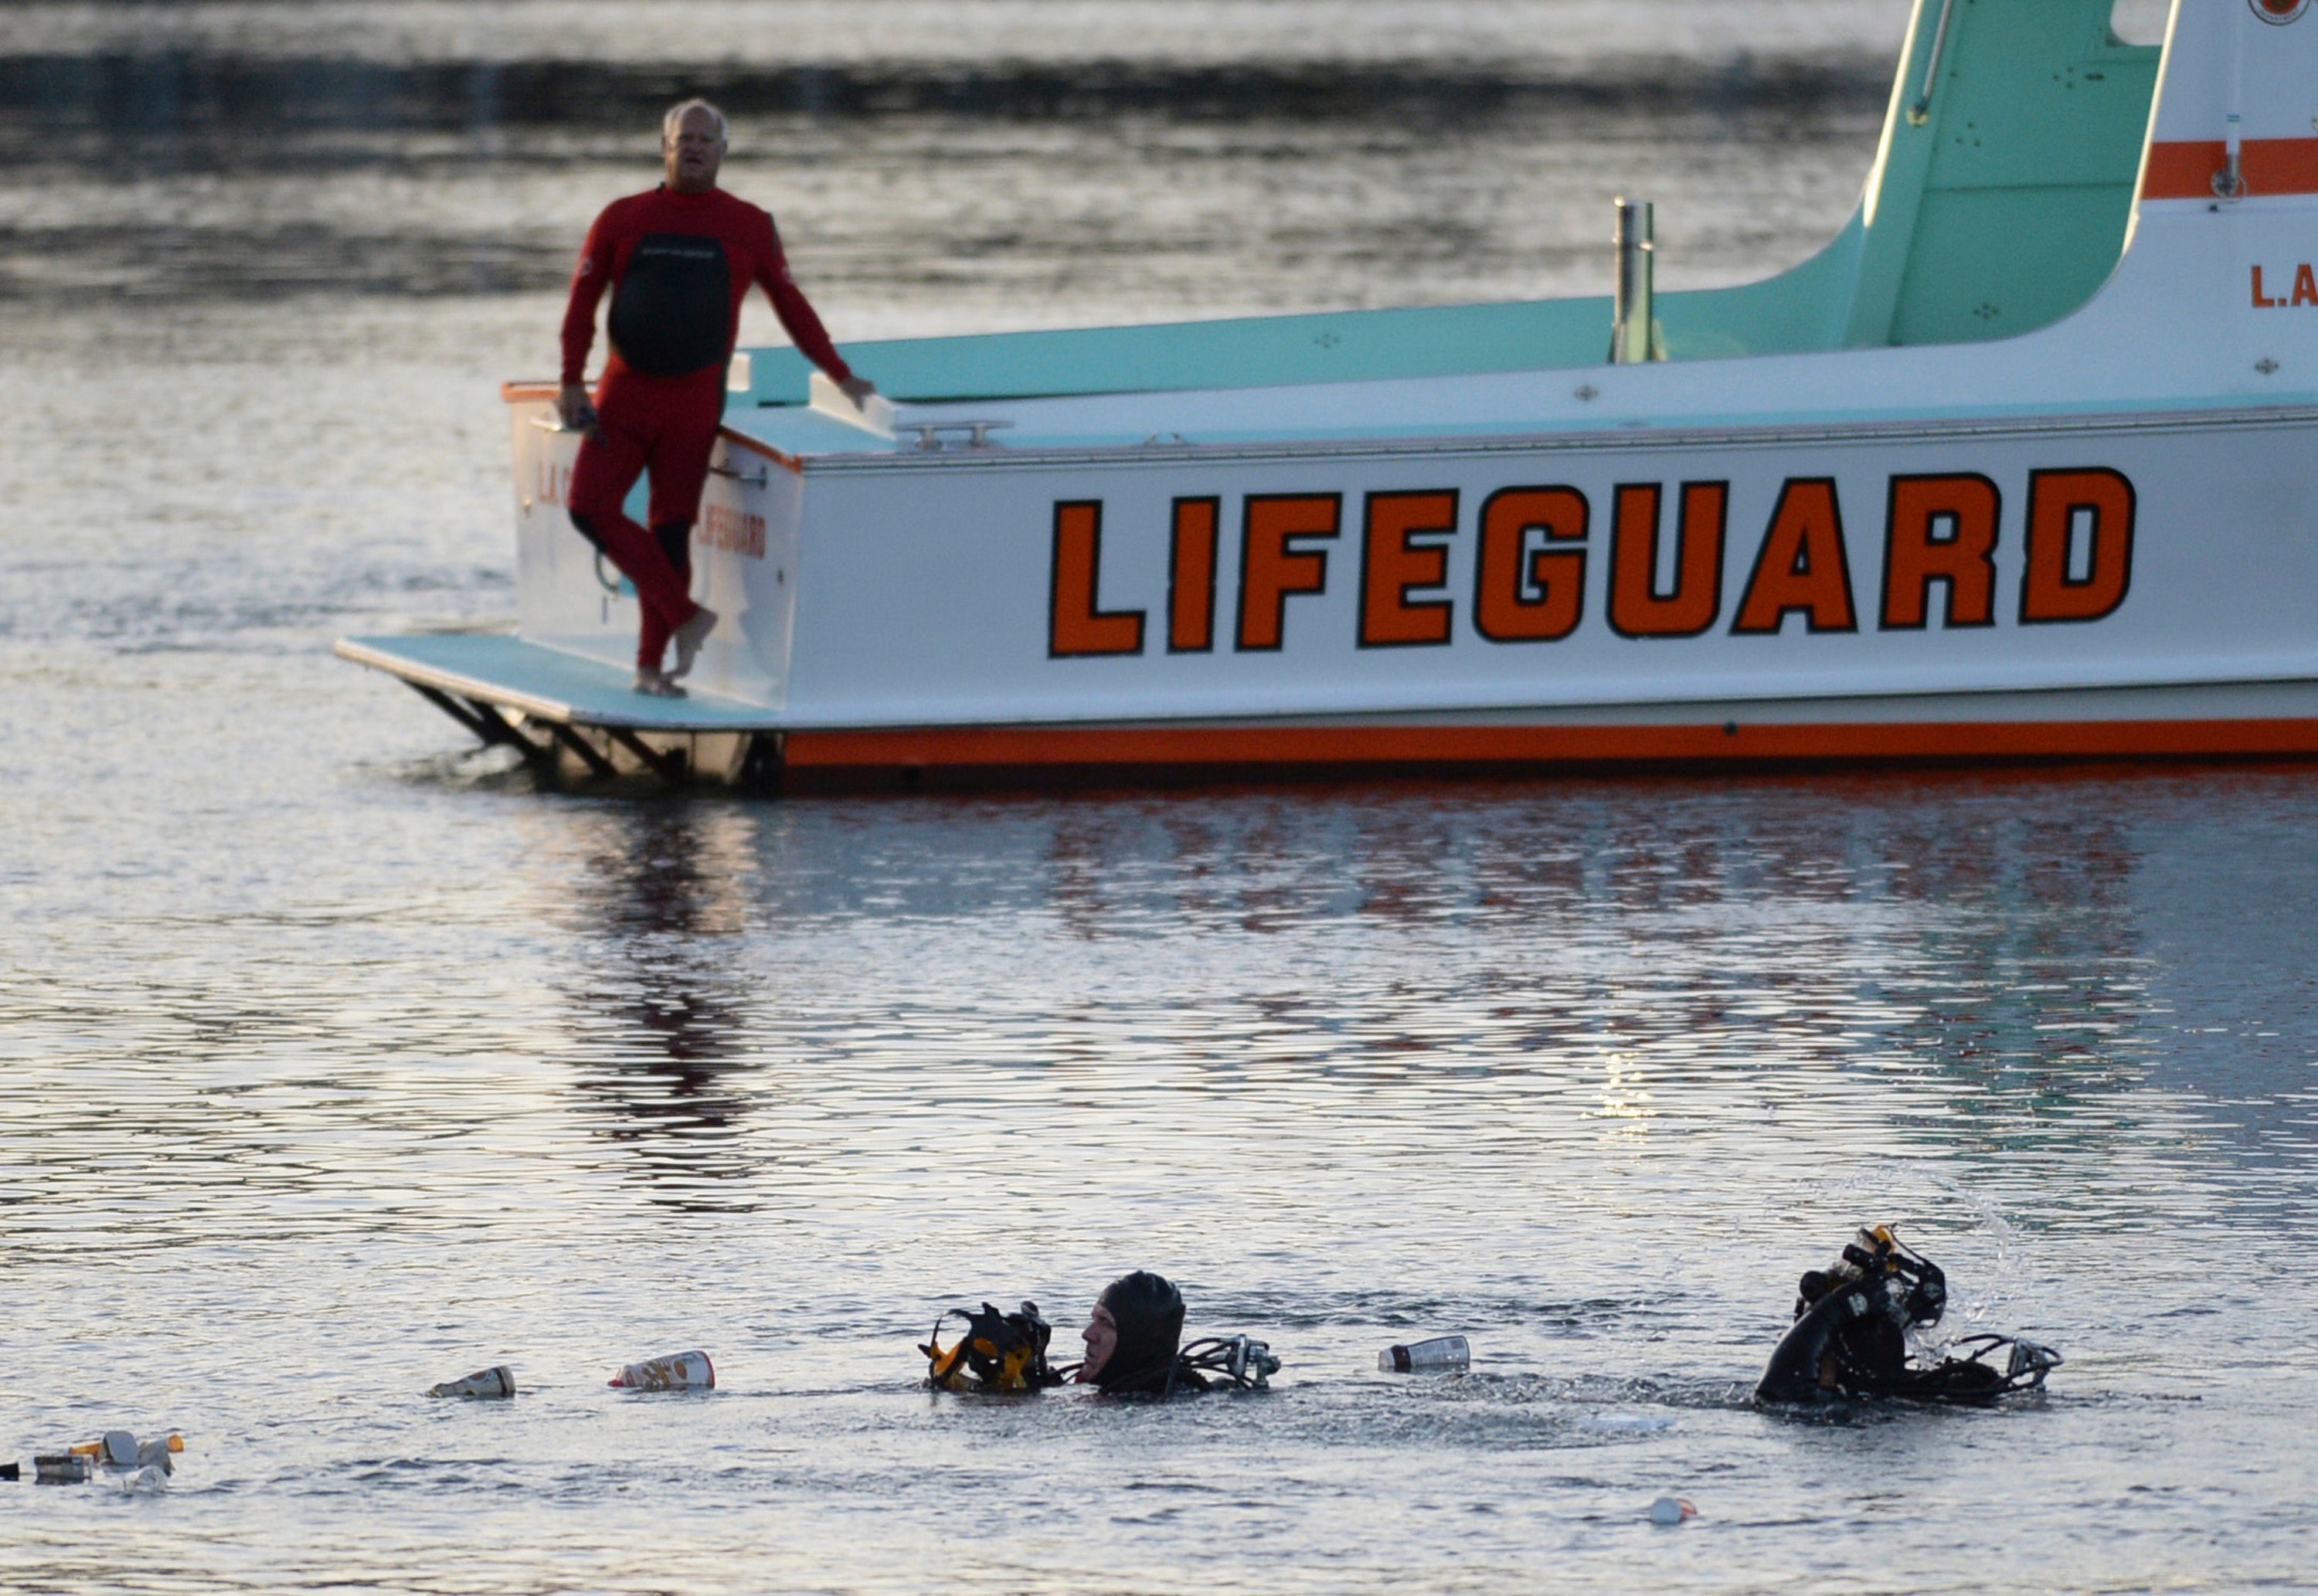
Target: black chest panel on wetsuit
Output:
[(673, 308)]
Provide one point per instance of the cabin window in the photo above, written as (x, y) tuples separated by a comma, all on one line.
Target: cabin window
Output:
[(2140, 21)]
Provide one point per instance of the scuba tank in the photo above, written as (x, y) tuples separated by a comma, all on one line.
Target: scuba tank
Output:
[(1850, 1336)]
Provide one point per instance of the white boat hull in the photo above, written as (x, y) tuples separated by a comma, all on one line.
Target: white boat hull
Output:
[(1382, 603)]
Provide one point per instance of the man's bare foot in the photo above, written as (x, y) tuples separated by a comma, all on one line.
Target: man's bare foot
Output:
[(689, 637), (656, 683)]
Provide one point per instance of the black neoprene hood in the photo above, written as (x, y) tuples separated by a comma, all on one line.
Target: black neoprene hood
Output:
[(1149, 1312)]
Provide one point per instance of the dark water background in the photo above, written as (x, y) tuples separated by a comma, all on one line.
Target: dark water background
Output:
[(335, 1061)]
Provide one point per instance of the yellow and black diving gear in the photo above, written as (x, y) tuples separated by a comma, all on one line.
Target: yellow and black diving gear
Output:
[(994, 1352)]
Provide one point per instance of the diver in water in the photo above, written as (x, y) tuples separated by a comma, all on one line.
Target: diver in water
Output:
[(1134, 1340), (1134, 1348), (1849, 1339)]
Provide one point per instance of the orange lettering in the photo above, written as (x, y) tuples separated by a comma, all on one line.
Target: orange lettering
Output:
[(1075, 627), (1637, 608), (738, 531), (2306, 286), (1271, 568), (1915, 556), (2048, 593), (2260, 300), (1393, 565), (1503, 610), (1192, 577), (1801, 565)]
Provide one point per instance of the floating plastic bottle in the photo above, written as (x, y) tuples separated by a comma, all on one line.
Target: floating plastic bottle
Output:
[(489, 1382), (1669, 1510), (1441, 1352), (62, 1469), (679, 1371)]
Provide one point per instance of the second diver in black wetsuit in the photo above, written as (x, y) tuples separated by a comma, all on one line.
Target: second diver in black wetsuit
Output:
[(1849, 1339)]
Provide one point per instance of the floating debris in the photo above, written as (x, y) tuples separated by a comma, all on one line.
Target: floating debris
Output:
[(679, 1371), (1440, 1353), (499, 1381)]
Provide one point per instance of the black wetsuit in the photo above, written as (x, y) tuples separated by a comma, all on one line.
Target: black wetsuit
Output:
[(1845, 1342), (1174, 1378)]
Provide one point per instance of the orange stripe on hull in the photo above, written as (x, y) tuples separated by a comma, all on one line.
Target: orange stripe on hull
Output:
[(2185, 170), (1225, 750)]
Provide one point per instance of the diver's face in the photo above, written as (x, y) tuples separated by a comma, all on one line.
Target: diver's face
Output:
[(1101, 1338)]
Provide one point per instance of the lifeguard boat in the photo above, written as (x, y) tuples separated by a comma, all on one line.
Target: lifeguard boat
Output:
[(2020, 466)]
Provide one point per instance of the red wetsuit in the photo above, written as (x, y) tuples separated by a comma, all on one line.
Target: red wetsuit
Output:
[(678, 267)]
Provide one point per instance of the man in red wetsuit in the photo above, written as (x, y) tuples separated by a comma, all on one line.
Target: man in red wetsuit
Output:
[(679, 262)]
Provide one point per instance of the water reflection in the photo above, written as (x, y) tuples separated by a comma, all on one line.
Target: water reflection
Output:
[(1957, 965), (659, 1012)]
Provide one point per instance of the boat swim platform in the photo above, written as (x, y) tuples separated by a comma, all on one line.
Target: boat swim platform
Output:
[(563, 710), (570, 716)]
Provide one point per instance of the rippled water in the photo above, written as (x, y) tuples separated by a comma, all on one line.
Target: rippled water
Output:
[(339, 1061)]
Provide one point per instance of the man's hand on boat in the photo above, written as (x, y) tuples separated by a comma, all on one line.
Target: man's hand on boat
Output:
[(858, 389), (578, 411)]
